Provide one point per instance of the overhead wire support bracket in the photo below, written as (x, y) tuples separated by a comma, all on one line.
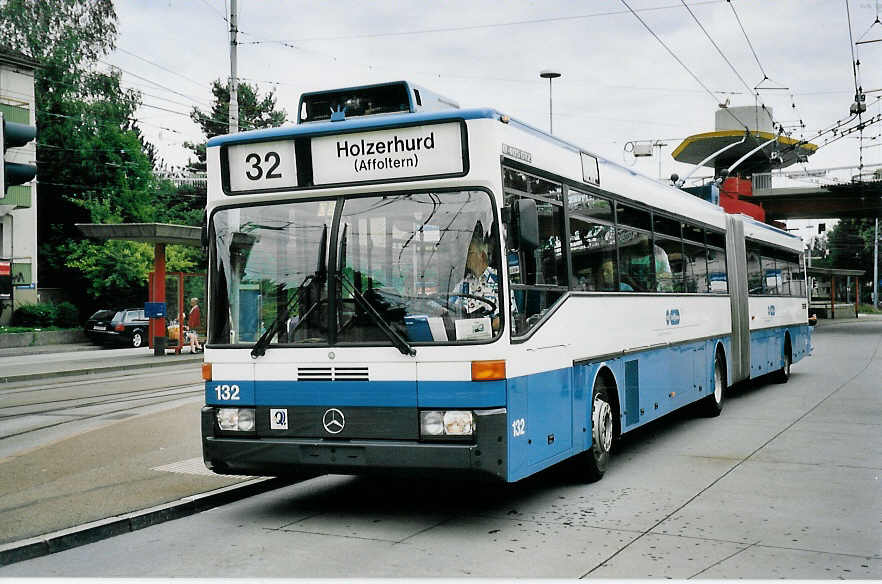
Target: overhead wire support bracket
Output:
[(749, 154), (683, 180)]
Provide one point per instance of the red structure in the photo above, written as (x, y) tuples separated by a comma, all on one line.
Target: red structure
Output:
[(733, 194)]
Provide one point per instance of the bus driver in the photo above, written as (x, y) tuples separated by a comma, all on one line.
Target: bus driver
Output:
[(479, 280)]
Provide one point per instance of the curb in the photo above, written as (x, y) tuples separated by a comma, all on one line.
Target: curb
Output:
[(182, 360), (65, 539)]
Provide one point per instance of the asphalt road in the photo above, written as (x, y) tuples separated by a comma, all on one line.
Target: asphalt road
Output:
[(784, 484)]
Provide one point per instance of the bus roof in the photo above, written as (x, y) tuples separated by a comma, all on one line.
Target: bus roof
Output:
[(363, 123)]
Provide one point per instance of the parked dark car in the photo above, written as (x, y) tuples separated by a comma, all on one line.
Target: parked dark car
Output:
[(121, 327)]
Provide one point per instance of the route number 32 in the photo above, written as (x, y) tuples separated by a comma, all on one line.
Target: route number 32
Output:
[(518, 427), (227, 392), (256, 172)]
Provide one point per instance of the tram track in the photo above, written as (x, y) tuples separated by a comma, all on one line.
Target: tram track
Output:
[(151, 400), (130, 396)]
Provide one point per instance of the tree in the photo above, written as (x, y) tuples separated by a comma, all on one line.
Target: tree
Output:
[(93, 163), (254, 112)]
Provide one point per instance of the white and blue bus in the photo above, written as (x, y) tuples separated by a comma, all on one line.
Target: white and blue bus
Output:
[(397, 284)]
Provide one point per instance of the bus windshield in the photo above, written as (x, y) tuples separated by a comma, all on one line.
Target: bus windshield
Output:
[(376, 269)]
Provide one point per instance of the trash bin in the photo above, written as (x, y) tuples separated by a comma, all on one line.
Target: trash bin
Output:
[(159, 345)]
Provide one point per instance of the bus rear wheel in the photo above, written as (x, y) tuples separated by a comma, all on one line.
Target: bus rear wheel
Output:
[(782, 375), (712, 405), (593, 462)]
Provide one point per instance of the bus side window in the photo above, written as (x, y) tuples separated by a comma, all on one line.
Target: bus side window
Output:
[(696, 268), (718, 281), (593, 252), (754, 271), (636, 267)]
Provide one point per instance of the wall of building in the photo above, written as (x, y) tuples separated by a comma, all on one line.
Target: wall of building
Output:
[(18, 209)]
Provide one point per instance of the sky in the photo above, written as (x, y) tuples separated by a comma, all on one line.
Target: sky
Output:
[(619, 83)]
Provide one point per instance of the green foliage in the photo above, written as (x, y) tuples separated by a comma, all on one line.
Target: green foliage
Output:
[(38, 315), (66, 315), (254, 112), (94, 164), (850, 244), (45, 315), (115, 271)]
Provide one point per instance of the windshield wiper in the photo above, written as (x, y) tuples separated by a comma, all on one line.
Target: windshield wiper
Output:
[(259, 349), (400, 343)]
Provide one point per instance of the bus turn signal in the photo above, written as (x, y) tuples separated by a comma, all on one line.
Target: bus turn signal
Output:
[(206, 371), (488, 370)]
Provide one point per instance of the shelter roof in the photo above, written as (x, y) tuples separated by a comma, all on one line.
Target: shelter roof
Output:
[(695, 149), (149, 232)]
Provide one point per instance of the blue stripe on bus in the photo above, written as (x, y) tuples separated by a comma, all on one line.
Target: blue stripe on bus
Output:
[(366, 123), (432, 394), (661, 371)]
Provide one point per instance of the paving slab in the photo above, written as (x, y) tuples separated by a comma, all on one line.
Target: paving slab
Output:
[(664, 556), (778, 563), (828, 512)]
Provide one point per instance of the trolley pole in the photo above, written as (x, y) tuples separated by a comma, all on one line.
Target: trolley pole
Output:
[(234, 80)]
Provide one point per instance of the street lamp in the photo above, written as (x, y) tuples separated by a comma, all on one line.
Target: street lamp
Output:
[(549, 74)]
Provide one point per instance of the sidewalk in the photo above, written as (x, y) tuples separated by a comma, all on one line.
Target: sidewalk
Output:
[(126, 474), (22, 364)]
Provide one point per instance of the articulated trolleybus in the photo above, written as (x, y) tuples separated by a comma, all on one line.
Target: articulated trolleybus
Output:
[(400, 285)]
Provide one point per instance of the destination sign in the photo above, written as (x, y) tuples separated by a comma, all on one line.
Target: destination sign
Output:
[(416, 151)]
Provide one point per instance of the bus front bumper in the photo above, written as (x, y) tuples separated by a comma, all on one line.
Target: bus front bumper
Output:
[(258, 456)]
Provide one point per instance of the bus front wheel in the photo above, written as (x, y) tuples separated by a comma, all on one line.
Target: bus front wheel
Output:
[(593, 462)]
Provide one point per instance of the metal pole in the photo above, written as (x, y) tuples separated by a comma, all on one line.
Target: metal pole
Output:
[(549, 74), (876, 266), (234, 80)]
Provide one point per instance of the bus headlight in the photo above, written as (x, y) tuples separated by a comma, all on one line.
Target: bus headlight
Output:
[(236, 419), (447, 423)]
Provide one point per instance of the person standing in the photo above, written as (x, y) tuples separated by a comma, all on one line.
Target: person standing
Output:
[(194, 319)]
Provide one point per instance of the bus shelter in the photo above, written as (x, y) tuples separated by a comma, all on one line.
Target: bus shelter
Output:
[(160, 235), (835, 292), (185, 305)]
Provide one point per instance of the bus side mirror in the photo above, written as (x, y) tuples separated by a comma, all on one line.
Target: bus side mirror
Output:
[(526, 222)]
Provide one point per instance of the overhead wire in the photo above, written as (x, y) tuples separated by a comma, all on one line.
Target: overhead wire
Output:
[(716, 46), (476, 26), (682, 64)]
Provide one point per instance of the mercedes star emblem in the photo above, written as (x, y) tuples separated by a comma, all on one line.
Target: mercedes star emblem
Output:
[(333, 421)]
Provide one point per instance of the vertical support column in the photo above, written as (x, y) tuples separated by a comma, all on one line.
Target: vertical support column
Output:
[(857, 294), (876, 266), (158, 324), (832, 297)]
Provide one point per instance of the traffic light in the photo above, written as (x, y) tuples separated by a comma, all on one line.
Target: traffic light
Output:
[(13, 135)]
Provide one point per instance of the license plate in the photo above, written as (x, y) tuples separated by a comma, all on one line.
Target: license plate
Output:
[(99, 328)]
